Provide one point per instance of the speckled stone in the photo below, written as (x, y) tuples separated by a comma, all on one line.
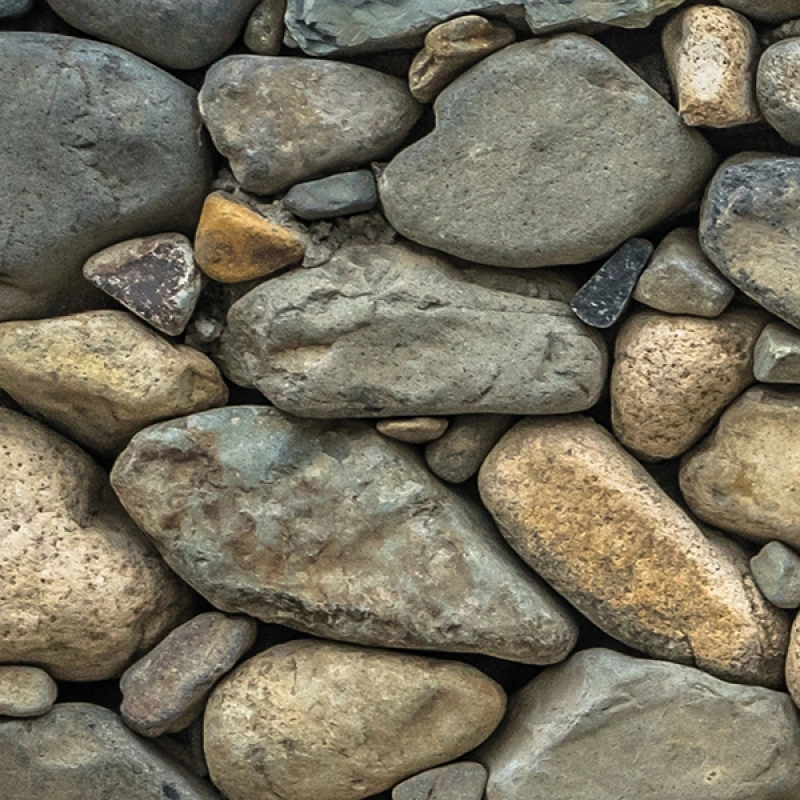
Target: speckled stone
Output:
[(334, 196), (26, 691), (414, 430), (779, 89), (264, 32), (777, 355), (464, 780), (776, 571)]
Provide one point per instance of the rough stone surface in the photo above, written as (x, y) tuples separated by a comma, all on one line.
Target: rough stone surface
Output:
[(778, 88), (788, 30), (766, 10), (464, 780), (776, 570), (333, 530), (264, 32), (415, 430), (89, 593), (598, 528), (102, 376), (122, 155), (777, 355), (334, 196), (515, 151), (793, 663), (335, 722), (281, 120), (605, 726), (26, 691), (558, 283), (348, 339), (673, 376)]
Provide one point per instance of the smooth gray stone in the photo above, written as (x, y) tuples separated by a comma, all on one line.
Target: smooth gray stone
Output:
[(548, 152), (98, 146), (14, 8), (776, 358), (776, 571), (334, 196), (558, 283), (778, 90), (464, 780), (604, 726), (336, 531), (386, 331)]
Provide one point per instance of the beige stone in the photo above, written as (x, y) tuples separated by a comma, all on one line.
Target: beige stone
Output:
[(415, 430), (102, 376), (793, 662), (777, 355), (311, 719), (712, 54), (591, 521), (674, 375), (89, 592), (26, 691)]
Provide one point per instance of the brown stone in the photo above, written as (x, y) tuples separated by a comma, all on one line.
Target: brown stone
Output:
[(793, 662), (26, 691), (414, 430), (264, 31)]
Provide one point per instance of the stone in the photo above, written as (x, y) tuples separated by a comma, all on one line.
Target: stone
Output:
[(121, 155), (712, 53), (776, 358), (334, 196), (80, 751), (336, 722), (602, 300), (264, 32), (348, 339), (779, 90), (323, 527), (14, 8), (546, 284), (679, 279), (548, 16), (674, 375), (25, 691), (743, 477), (598, 528), (750, 229), (179, 34), (459, 453), (102, 376), (282, 120), (650, 729), (464, 780), (155, 277), (776, 571), (166, 691), (788, 30), (415, 430), (451, 48), (89, 593), (516, 151), (793, 663), (766, 10), (233, 243)]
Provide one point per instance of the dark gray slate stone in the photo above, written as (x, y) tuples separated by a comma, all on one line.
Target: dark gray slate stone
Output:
[(776, 571), (335, 196), (14, 8)]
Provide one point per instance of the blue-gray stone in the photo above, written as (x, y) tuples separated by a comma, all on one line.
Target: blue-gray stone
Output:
[(335, 196), (14, 8)]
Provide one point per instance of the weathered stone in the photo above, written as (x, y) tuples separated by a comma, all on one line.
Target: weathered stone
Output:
[(14, 8), (558, 283), (154, 277), (605, 726), (673, 376), (264, 32), (598, 528), (793, 662), (264, 514), (415, 430), (777, 355), (766, 10), (89, 593), (80, 751), (334, 196), (779, 89), (121, 155), (335, 722), (776, 571), (464, 780), (102, 376), (788, 30), (679, 279), (26, 691), (529, 135), (283, 120), (451, 48)]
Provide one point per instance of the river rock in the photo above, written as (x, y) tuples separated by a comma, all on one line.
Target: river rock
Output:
[(766, 10), (464, 780), (651, 729), (793, 663), (414, 430), (348, 339), (282, 120), (779, 89), (25, 691), (597, 527), (334, 196), (776, 571), (121, 155), (323, 527), (264, 32), (335, 722), (14, 8), (611, 146), (89, 593), (777, 355)]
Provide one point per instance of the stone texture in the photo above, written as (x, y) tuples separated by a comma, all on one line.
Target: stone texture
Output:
[(788, 30), (776, 571), (793, 663), (776, 358), (597, 527), (101, 376), (14, 8), (767, 10), (282, 120), (415, 430), (559, 283), (264, 32), (605, 726), (333, 530), (335, 722), (673, 376), (348, 339), (89, 593), (516, 151), (334, 196), (679, 279), (26, 691), (154, 277), (121, 155), (464, 780), (166, 691), (779, 90), (80, 751)]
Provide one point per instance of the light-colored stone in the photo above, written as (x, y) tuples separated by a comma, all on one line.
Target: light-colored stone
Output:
[(793, 662), (26, 691), (464, 780), (776, 571), (593, 523), (311, 719), (264, 32), (779, 88), (776, 358), (415, 430), (766, 10), (674, 375)]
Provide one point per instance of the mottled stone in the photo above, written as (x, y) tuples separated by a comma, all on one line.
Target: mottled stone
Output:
[(334, 530), (335, 722), (766, 10), (776, 571), (597, 527), (779, 90), (264, 32), (415, 430), (26, 691), (334, 196), (464, 780), (776, 358), (14, 8)]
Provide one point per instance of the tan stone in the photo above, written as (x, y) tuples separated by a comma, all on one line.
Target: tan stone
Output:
[(26, 691), (777, 355), (674, 375), (793, 662), (415, 430), (89, 592), (102, 376), (311, 719), (591, 521), (233, 243), (712, 54)]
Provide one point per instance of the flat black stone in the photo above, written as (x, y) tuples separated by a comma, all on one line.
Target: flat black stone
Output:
[(602, 300)]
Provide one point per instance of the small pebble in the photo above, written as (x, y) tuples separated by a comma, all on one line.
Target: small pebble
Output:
[(776, 570), (264, 31), (463, 780), (415, 430), (334, 196), (778, 88), (777, 355), (25, 691)]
